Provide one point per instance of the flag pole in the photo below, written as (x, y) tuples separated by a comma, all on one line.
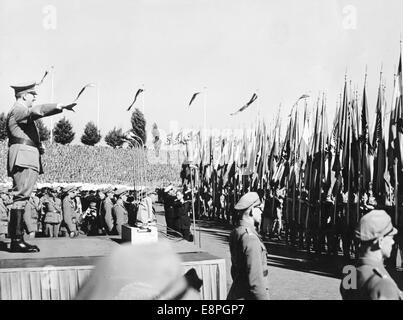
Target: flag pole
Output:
[(193, 207), (396, 191), (98, 104), (322, 146), (52, 100), (337, 158), (142, 99), (396, 162), (205, 111), (294, 185), (360, 164)]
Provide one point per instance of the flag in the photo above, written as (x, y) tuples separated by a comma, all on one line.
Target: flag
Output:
[(365, 143), (274, 151), (254, 97), (90, 85), (169, 138), (179, 138), (43, 78), (304, 96), (395, 145), (304, 141), (378, 149), (193, 97), (135, 98)]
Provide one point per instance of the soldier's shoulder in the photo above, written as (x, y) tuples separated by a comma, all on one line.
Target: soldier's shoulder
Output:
[(18, 107), (382, 286), (246, 233)]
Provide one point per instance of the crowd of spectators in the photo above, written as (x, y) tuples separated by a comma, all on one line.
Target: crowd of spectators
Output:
[(70, 211), (102, 165)]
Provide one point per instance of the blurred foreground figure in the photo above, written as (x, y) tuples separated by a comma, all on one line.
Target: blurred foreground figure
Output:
[(369, 280), (140, 272)]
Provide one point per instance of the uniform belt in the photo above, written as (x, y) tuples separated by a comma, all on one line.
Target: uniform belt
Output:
[(14, 140)]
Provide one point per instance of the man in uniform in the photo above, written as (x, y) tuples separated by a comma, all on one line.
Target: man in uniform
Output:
[(169, 198), (4, 216), (70, 218), (100, 218), (24, 155), (31, 214), (248, 254), (106, 211), (371, 280), (52, 209), (119, 211)]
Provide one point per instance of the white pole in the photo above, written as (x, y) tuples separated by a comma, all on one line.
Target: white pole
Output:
[(142, 99), (98, 105), (205, 112), (52, 98), (143, 103), (193, 208)]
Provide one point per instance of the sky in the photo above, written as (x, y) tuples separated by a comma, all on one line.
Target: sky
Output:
[(228, 49)]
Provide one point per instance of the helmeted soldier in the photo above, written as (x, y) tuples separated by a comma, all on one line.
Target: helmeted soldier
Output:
[(119, 212), (249, 269), (24, 155), (372, 282)]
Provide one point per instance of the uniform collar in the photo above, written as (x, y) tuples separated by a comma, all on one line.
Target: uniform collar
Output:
[(248, 225), (371, 262), (20, 103)]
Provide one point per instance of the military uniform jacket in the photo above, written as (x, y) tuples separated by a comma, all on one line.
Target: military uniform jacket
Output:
[(3, 218), (32, 208), (106, 210), (182, 214), (69, 214), (373, 283), (21, 124), (120, 214), (52, 210), (149, 203), (168, 206), (249, 269)]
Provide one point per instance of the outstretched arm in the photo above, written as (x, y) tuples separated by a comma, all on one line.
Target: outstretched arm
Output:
[(40, 111)]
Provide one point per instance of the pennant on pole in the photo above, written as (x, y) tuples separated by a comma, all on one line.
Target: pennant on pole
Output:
[(90, 85), (254, 97), (135, 98), (43, 78), (193, 97)]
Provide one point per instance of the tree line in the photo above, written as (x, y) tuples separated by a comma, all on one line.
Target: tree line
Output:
[(63, 131)]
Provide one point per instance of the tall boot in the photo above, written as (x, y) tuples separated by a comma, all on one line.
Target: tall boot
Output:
[(16, 233), (31, 246)]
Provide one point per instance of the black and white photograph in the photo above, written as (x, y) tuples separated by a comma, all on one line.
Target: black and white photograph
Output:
[(215, 151)]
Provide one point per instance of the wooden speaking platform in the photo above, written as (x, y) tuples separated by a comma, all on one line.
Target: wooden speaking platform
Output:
[(63, 265)]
